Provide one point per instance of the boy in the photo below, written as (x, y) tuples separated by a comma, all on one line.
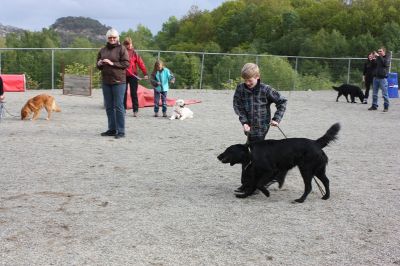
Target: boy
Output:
[(251, 102)]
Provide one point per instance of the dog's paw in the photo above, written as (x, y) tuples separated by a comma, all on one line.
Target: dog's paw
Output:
[(266, 193), (325, 197)]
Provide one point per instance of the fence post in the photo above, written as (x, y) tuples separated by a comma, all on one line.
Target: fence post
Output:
[(52, 69), (348, 72), (201, 71), (0, 63), (295, 73)]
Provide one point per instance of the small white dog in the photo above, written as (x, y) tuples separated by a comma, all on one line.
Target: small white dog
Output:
[(180, 111)]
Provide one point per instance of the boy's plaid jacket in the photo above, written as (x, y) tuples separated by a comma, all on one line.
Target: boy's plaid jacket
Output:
[(253, 106)]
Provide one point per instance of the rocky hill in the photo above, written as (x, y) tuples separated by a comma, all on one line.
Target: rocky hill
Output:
[(5, 29), (71, 27)]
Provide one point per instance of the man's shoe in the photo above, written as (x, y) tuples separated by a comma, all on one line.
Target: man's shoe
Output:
[(164, 115), (155, 114), (372, 108), (108, 133), (120, 135), (386, 110), (365, 101), (134, 114)]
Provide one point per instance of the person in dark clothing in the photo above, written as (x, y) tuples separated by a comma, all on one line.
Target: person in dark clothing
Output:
[(252, 103), (112, 60), (368, 75), (1, 90), (381, 72)]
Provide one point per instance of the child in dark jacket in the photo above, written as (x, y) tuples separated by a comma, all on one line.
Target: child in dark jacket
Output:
[(252, 103), (368, 75)]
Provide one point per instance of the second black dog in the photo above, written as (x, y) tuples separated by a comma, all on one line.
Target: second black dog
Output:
[(346, 90), (270, 160)]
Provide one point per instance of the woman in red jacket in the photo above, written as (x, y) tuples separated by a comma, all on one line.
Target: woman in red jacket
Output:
[(132, 75)]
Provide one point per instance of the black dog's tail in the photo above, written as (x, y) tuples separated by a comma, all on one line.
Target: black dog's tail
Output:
[(335, 88), (329, 136)]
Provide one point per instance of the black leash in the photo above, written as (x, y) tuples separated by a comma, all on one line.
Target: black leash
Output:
[(281, 131)]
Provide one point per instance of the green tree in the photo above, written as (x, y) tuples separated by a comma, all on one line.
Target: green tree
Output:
[(323, 43), (142, 37), (361, 45), (36, 64), (390, 36), (186, 69), (166, 36)]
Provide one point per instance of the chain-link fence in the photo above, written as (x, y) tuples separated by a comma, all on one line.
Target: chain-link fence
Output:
[(193, 70)]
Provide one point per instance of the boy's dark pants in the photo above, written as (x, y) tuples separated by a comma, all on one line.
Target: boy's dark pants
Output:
[(246, 170)]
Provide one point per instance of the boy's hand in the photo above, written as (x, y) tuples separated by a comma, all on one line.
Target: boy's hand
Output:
[(274, 123), (246, 128)]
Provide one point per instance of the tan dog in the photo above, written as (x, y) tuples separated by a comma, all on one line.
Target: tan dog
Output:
[(35, 104)]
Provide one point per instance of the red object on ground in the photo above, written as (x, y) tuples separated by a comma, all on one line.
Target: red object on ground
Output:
[(13, 83), (146, 98)]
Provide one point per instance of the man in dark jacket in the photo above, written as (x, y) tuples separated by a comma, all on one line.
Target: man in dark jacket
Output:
[(380, 80)]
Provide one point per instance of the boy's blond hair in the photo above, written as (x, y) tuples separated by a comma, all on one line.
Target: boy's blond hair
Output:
[(250, 70)]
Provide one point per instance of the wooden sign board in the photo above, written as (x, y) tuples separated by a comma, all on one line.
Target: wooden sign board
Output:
[(77, 85)]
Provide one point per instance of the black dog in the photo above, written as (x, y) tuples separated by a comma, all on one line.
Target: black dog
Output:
[(346, 90), (270, 160)]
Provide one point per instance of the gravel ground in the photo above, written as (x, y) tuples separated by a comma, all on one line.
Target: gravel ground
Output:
[(160, 196)]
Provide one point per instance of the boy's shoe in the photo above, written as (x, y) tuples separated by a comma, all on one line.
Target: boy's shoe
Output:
[(135, 114), (108, 133), (365, 101), (155, 114), (239, 189), (372, 108), (164, 114), (386, 110), (120, 135)]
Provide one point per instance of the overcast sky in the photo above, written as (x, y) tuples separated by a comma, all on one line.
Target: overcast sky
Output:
[(121, 14)]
